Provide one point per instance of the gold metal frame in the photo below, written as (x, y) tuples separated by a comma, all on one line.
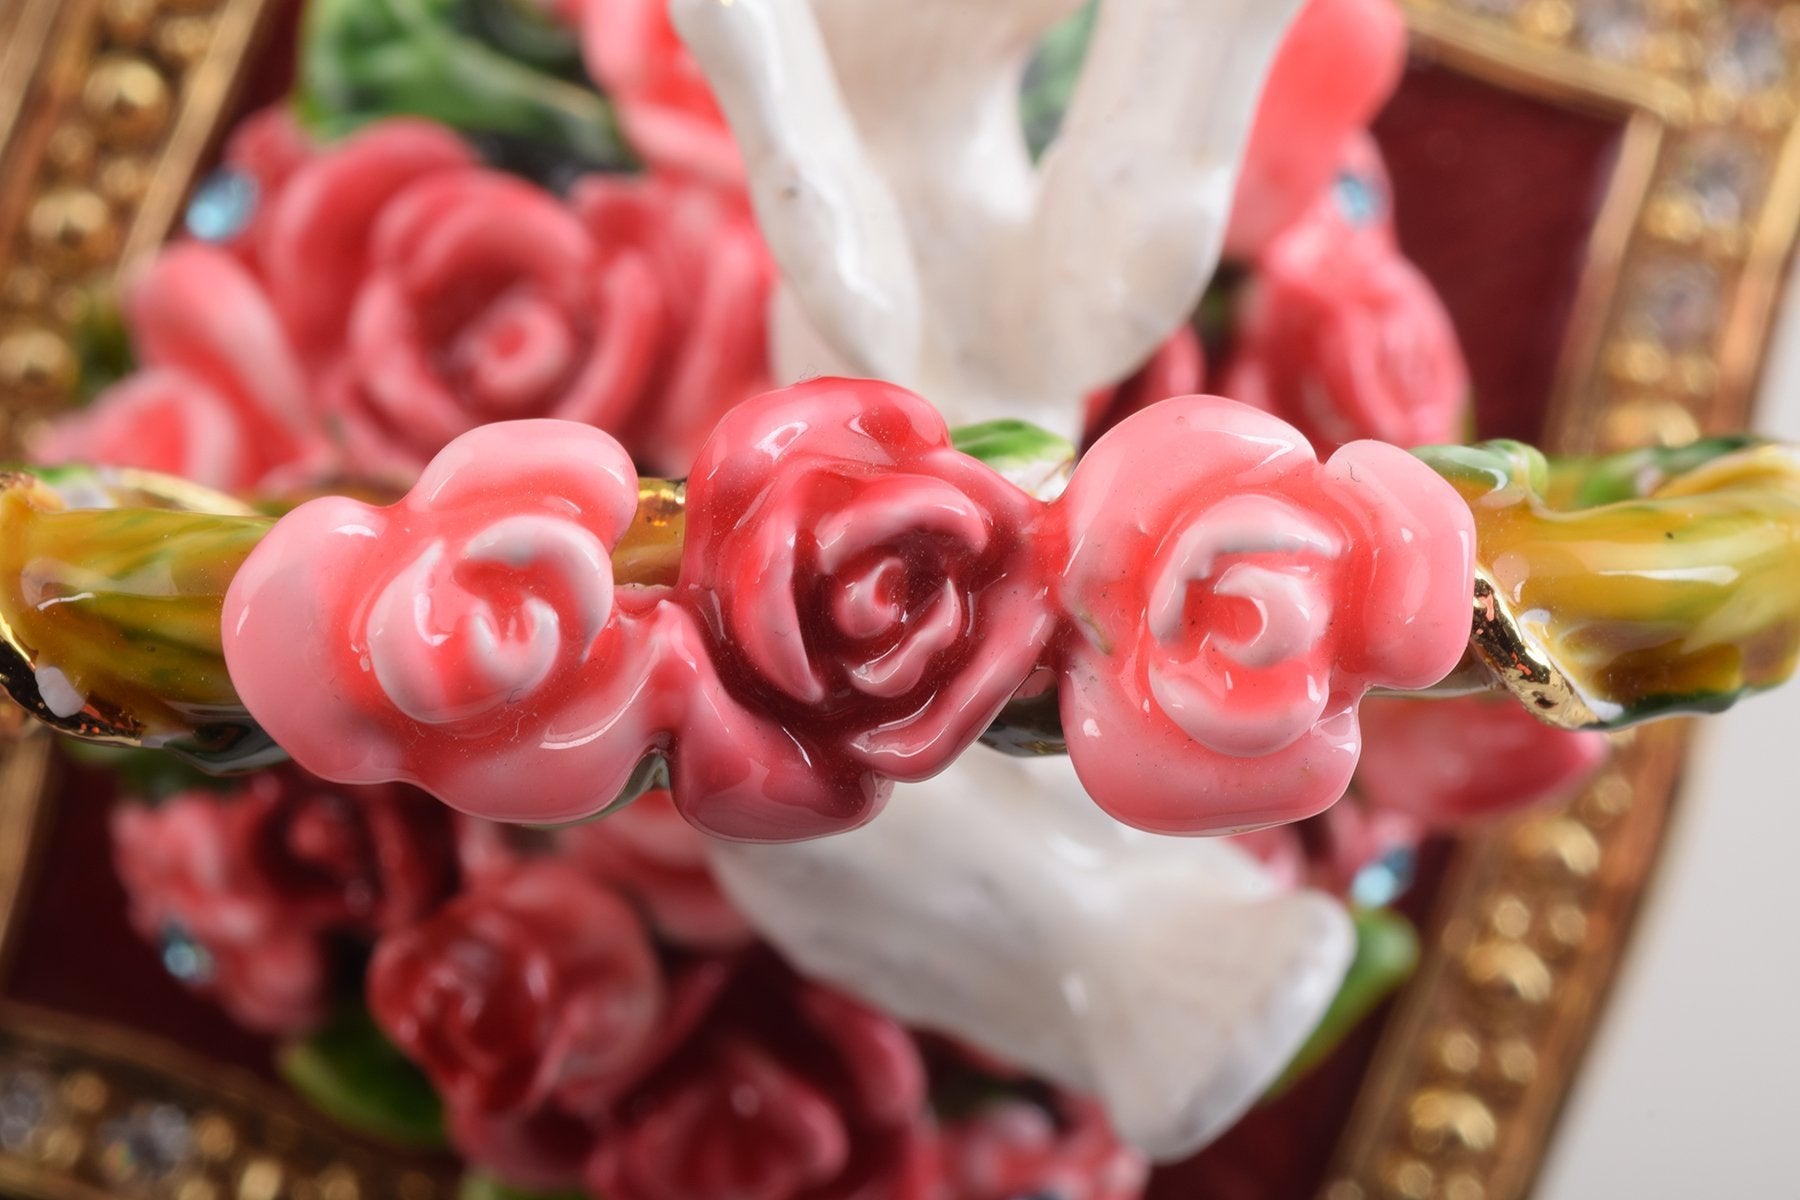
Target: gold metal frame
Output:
[(109, 107), (1672, 323)]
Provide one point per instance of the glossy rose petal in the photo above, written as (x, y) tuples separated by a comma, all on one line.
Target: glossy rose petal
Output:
[(1231, 599), (1340, 62), (876, 593), (469, 638)]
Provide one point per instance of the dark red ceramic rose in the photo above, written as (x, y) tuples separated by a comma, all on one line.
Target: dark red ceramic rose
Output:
[(247, 891), (534, 988), (870, 587), (772, 1088)]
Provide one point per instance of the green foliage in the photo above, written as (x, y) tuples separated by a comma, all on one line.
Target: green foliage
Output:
[(492, 69), (353, 1074)]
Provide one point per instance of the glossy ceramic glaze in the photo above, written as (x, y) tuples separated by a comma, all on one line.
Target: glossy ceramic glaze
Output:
[(1226, 619), (917, 240), (1171, 978), (856, 602)]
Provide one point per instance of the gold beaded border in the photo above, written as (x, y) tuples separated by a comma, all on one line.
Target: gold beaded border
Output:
[(107, 110), (91, 1112), (1671, 328)]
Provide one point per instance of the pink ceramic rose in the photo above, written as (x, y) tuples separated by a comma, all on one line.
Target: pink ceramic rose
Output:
[(485, 299), (468, 638), (245, 891), (1014, 1148), (1445, 763), (861, 581), (1339, 334), (647, 852), (537, 987), (1231, 599), (1341, 61), (658, 89), (715, 277), (313, 237), (473, 640), (221, 398)]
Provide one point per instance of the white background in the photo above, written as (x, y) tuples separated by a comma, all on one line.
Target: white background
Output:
[(1692, 1091)]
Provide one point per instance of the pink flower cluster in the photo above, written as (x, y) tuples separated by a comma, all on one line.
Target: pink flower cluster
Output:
[(590, 1009), (391, 293), (570, 1055), (856, 603)]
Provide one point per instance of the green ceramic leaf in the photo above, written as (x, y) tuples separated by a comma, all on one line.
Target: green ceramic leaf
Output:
[(353, 1074), (111, 591), (1636, 586), (484, 67), (1050, 79), (1387, 952), (1037, 460)]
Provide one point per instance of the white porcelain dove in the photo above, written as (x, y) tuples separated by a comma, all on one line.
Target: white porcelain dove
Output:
[(1169, 977), (919, 243)]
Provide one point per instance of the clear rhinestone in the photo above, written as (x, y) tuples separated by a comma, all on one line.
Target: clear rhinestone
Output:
[(24, 1107), (1722, 177), (1614, 29), (1677, 305), (222, 205), (1750, 57), (1385, 880), (1359, 198), (148, 1143), (185, 958)]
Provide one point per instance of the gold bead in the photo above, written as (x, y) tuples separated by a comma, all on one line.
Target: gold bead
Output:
[(61, 1148), (1463, 1186), (1438, 1118), (1561, 845), (214, 1137), (73, 226), (85, 1092), (182, 41), (1551, 20), (1514, 1065), (125, 181), (1648, 421), (128, 22), (1567, 926), (25, 287), (1455, 1052), (1607, 799), (1407, 1179), (128, 98), (1509, 917), (338, 1182), (261, 1180), (1509, 973), (37, 364), (71, 152)]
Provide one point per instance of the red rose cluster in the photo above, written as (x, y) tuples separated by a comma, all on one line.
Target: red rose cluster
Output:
[(589, 1007), (390, 292), (857, 600)]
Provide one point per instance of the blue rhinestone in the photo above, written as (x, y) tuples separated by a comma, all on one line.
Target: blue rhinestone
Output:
[(185, 958), (1358, 199), (1386, 879), (223, 205)]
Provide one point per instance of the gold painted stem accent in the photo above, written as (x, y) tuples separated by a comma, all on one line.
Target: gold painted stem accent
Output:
[(1643, 585)]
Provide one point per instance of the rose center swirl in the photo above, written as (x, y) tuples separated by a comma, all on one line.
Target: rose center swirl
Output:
[(1237, 607), (448, 640)]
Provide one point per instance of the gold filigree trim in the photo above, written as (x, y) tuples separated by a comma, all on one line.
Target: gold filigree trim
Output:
[(88, 1111), (1671, 328), (107, 110)]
